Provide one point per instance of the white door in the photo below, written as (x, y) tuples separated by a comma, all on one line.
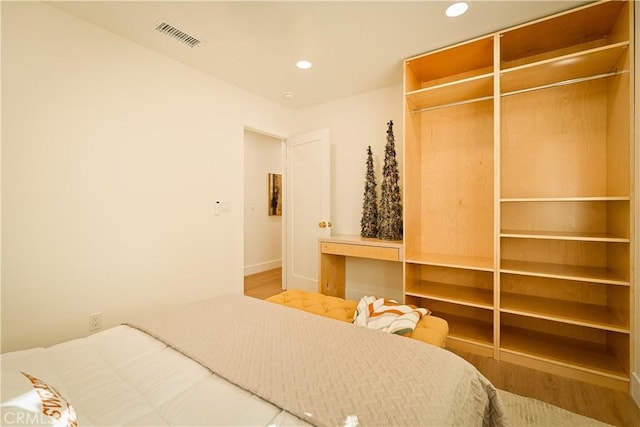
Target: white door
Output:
[(307, 207)]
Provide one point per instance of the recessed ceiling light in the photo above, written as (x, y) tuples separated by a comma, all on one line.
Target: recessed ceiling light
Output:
[(303, 65), (288, 95), (457, 9)]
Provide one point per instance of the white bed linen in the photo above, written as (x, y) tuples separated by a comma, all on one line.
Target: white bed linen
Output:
[(122, 376)]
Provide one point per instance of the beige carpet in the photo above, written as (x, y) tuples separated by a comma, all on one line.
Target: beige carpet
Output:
[(524, 411)]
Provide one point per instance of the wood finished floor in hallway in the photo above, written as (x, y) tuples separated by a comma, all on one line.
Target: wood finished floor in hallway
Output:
[(609, 406), (263, 285)]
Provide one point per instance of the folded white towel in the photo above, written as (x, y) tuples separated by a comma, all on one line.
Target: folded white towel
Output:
[(387, 315)]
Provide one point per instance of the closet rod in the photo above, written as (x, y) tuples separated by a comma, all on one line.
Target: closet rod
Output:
[(531, 89), (453, 104), (564, 83)]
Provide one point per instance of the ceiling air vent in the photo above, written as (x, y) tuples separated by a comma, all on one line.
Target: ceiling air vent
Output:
[(172, 31)]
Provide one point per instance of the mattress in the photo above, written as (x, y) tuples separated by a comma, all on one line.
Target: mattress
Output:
[(122, 376)]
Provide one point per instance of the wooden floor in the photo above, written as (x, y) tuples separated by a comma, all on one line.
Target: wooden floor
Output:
[(609, 406), (603, 404), (263, 285)]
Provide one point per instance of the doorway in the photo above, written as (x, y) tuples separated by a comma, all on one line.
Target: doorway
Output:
[(263, 223)]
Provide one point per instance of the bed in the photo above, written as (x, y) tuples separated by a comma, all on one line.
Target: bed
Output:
[(235, 360)]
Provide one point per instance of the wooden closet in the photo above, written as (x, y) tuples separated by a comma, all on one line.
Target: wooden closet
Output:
[(518, 192)]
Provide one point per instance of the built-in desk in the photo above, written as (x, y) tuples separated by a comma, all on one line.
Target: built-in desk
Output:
[(334, 249)]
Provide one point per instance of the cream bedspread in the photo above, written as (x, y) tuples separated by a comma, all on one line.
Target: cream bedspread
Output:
[(328, 372)]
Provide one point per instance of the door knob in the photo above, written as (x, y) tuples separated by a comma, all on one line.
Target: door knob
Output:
[(322, 224)]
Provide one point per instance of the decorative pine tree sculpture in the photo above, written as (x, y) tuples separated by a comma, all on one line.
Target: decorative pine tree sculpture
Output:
[(369, 221), (390, 212)]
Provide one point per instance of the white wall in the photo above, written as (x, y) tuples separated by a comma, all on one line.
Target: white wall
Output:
[(262, 232), (355, 123), (107, 186)]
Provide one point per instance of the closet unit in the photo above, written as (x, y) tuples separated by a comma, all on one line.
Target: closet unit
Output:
[(518, 192), (449, 194)]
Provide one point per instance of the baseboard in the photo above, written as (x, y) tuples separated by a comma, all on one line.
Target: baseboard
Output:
[(264, 266), (635, 388)]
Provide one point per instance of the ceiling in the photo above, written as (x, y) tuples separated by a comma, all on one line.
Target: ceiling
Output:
[(355, 46)]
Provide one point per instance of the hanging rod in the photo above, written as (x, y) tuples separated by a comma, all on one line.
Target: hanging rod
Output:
[(564, 83), (453, 104)]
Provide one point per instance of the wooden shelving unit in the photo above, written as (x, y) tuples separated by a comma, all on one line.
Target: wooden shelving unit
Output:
[(592, 64), (464, 295), (576, 354), (474, 332), (472, 89), (571, 312), (455, 261), (518, 192), (563, 271), (564, 235), (470, 328)]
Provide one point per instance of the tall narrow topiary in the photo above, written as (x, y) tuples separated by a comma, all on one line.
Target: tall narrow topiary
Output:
[(390, 212), (369, 221)]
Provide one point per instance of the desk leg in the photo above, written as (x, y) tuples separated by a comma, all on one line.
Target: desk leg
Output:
[(332, 275)]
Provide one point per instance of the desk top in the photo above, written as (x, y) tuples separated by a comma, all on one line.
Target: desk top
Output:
[(354, 239)]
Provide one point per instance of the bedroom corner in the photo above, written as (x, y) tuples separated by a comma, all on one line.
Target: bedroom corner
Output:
[(110, 207)]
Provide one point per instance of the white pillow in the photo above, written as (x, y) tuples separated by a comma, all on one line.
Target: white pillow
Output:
[(39, 405)]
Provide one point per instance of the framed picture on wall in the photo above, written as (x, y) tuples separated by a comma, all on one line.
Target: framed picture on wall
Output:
[(275, 194)]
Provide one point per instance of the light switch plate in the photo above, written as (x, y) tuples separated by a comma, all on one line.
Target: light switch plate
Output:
[(220, 206)]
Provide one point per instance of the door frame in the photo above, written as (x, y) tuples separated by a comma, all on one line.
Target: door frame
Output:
[(324, 132), (283, 231)]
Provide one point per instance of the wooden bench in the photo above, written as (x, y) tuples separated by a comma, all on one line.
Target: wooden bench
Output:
[(430, 329)]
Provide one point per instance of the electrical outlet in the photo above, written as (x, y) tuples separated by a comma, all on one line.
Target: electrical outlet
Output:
[(95, 321)]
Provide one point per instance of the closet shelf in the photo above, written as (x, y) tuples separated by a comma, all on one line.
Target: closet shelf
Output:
[(472, 89), (463, 295), (565, 199), (563, 271), (564, 235), (565, 351), (567, 32), (451, 64), (470, 331), (581, 314), (453, 261), (600, 61)]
